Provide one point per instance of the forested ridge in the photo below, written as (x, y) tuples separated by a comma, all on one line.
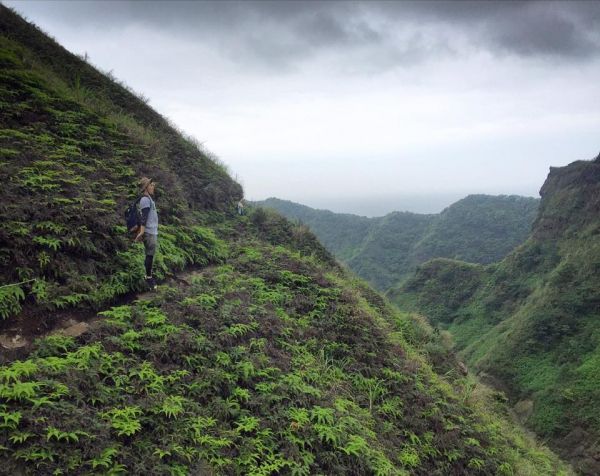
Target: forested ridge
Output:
[(386, 250)]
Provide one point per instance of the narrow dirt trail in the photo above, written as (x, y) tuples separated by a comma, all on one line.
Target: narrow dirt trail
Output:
[(18, 335)]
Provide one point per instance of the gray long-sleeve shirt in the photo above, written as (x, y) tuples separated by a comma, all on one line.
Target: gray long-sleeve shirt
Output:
[(152, 220)]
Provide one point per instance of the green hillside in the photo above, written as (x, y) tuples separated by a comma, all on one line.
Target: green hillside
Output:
[(386, 250), (257, 355), (533, 320), (478, 229), (384, 257), (340, 233)]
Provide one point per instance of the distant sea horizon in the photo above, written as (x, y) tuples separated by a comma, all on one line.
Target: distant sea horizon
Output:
[(380, 206)]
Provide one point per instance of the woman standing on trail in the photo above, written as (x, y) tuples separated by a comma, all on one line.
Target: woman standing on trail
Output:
[(148, 227)]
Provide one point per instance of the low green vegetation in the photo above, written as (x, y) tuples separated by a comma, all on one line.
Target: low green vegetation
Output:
[(386, 250), (271, 363)]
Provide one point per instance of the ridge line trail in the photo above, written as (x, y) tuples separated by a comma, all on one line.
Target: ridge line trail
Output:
[(18, 336)]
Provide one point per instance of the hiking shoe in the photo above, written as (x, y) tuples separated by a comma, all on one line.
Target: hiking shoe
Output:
[(151, 283)]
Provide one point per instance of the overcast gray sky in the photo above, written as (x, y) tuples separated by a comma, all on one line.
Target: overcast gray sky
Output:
[(361, 107)]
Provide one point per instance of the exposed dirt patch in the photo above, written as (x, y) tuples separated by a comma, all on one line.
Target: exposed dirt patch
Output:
[(75, 329), (15, 341), (17, 335), (523, 410)]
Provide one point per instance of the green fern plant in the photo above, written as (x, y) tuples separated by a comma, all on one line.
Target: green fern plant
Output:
[(505, 469), (43, 259), (323, 416), (154, 317), (150, 381), (241, 394), (172, 406), (68, 300), (205, 301), (35, 179), (18, 391), (302, 467), (68, 436), (130, 340), (59, 390), (39, 289), (116, 469), (247, 424), (178, 470), (299, 417), (35, 454), (55, 228), (240, 329), (120, 314), (124, 420), (9, 420), (105, 459), (356, 446), (17, 228), (17, 370), (48, 241), (476, 463), (83, 357), (409, 458), (382, 466), (161, 453), (10, 300), (19, 437), (327, 434), (54, 345)]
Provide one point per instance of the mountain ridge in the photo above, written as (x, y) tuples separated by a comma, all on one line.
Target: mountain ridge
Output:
[(385, 250)]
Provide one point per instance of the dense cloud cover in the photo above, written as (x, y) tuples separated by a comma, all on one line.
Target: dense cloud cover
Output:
[(278, 34), (309, 100)]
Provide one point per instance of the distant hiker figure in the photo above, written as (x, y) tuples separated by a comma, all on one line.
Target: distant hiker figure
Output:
[(148, 231), (240, 206)]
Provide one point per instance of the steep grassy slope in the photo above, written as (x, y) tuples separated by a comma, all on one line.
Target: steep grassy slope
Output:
[(385, 250), (264, 358), (533, 320), (271, 363), (71, 147)]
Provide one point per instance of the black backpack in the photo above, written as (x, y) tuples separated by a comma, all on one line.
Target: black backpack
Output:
[(133, 216)]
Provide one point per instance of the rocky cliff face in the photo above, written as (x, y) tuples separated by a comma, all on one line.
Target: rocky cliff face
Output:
[(570, 200)]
